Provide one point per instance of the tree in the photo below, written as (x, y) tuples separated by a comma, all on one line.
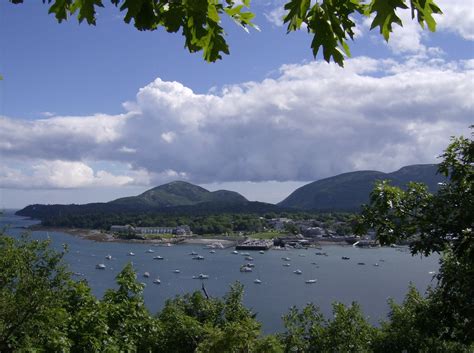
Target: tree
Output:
[(442, 222), (331, 23)]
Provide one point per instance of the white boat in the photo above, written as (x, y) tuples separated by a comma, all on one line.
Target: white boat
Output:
[(176, 271), (212, 252), (131, 254), (376, 264), (235, 252), (262, 252), (100, 266), (257, 281), (286, 264), (250, 264), (286, 259), (146, 274), (158, 257), (150, 251), (309, 281), (201, 276), (246, 269), (297, 272), (156, 281), (108, 257), (250, 258), (193, 253), (199, 257), (432, 272), (245, 254)]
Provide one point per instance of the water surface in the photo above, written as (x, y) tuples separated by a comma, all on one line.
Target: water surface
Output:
[(337, 280)]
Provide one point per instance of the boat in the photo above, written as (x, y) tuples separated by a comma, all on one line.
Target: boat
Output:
[(246, 269), (286, 264), (176, 271), (286, 258), (432, 272), (376, 264), (311, 281), (199, 257), (157, 281), (193, 253), (146, 274), (245, 254), (158, 257), (201, 276), (212, 252), (100, 266), (250, 258), (108, 257), (361, 263), (150, 251), (345, 258), (262, 252), (297, 272), (257, 281), (235, 252), (131, 254), (250, 264)]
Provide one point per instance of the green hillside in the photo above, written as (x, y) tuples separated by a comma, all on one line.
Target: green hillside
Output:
[(179, 193), (346, 192)]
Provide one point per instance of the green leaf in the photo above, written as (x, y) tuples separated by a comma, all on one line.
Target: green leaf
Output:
[(386, 15)]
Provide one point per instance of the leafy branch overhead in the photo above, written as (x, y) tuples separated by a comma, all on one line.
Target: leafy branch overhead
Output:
[(330, 22)]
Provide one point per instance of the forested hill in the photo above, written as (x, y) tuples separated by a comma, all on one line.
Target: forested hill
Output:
[(174, 198), (346, 192), (180, 193)]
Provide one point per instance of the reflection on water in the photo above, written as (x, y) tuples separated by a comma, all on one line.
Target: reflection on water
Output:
[(369, 276)]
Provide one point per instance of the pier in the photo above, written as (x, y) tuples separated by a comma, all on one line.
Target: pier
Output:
[(255, 244)]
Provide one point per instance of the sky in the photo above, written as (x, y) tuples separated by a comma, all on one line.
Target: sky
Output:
[(90, 114)]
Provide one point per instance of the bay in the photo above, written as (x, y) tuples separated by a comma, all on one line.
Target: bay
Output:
[(337, 280)]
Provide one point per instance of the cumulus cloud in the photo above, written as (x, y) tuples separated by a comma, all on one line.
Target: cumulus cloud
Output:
[(59, 174), (70, 137), (313, 120), (458, 17)]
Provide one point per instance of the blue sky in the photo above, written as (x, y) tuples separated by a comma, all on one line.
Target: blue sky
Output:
[(93, 113)]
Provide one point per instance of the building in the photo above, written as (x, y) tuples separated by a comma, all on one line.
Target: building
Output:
[(182, 230)]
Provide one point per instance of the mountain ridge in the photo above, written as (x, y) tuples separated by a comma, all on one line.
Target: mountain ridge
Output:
[(348, 191)]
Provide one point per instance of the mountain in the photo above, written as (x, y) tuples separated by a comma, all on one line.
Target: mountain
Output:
[(177, 197), (180, 193), (346, 192)]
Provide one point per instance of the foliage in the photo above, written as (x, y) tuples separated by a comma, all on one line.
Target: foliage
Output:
[(32, 284), (441, 222), (330, 22), (309, 331)]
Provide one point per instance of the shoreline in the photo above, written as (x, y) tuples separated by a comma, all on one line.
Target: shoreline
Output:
[(105, 237)]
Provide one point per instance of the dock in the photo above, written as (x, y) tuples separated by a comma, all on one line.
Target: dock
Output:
[(255, 244)]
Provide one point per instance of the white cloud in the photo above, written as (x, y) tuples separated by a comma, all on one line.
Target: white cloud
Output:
[(168, 136), (458, 17), (313, 120), (58, 174), (69, 137), (275, 16)]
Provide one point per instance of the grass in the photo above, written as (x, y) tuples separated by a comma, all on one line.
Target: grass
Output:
[(265, 235)]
